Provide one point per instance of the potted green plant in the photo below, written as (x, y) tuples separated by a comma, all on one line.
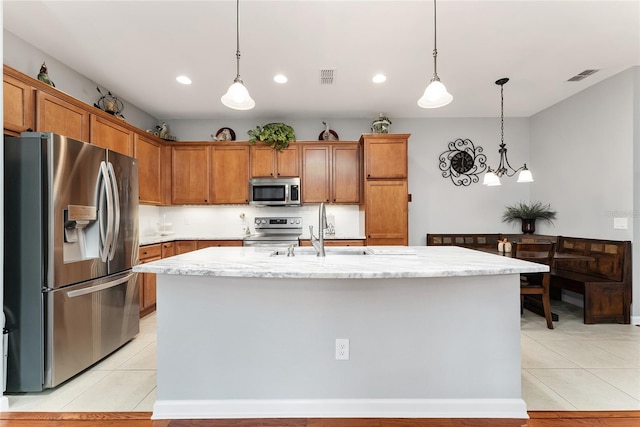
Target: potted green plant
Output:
[(528, 213), (276, 135)]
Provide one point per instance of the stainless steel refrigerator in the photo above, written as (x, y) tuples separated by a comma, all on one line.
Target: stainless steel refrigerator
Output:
[(71, 239)]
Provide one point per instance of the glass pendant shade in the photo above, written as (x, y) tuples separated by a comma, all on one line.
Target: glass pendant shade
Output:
[(525, 175), (237, 97), (435, 95), (491, 179)]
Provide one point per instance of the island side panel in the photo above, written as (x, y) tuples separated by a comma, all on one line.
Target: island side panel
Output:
[(455, 338)]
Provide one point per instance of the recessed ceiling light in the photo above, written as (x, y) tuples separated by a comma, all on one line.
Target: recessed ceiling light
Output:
[(184, 80), (280, 78), (379, 78)]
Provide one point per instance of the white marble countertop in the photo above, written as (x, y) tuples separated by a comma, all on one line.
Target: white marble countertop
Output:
[(340, 262)]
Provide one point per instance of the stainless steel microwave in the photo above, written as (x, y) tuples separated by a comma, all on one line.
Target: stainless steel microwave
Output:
[(274, 192)]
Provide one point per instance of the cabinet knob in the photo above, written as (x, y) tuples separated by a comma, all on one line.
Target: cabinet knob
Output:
[(327, 200), (368, 175)]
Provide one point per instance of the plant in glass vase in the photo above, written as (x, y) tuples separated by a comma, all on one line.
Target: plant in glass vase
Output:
[(528, 213)]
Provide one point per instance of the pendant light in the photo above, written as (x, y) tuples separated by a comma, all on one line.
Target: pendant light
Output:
[(492, 177), (237, 97), (435, 95)]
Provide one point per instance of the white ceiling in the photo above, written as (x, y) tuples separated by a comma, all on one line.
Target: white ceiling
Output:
[(135, 49)]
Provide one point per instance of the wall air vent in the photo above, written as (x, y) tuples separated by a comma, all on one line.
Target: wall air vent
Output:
[(582, 75), (326, 76)]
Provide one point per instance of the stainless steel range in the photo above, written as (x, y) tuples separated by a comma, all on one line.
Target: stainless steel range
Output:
[(275, 231)]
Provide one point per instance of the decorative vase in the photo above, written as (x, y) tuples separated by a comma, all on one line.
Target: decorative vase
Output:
[(528, 225)]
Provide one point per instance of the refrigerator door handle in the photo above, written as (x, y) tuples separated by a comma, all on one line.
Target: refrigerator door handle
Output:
[(116, 210), (100, 287), (106, 236)]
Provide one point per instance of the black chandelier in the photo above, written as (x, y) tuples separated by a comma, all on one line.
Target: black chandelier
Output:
[(492, 177)]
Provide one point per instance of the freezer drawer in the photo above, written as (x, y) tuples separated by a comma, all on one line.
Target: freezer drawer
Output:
[(84, 323)]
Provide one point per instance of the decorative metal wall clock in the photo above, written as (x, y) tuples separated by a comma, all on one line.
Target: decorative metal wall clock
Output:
[(462, 162)]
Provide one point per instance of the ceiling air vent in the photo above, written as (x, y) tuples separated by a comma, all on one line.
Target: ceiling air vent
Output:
[(326, 77), (582, 75)]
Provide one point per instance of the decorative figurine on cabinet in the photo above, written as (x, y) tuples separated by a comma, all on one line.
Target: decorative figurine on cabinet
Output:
[(381, 124), (43, 76)]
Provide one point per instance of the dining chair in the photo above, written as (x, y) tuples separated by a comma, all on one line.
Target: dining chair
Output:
[(536, 283)]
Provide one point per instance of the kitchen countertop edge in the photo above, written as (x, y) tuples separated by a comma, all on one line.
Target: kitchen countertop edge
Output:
[(382, 262)]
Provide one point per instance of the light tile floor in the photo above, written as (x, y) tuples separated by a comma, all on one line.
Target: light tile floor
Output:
[(572, 367)]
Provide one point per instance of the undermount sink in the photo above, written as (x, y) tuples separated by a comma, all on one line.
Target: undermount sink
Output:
[(329, 251)]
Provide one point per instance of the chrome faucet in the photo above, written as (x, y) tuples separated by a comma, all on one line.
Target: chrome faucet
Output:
[(318, 243)]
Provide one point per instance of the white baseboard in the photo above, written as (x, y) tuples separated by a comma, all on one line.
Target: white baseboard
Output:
[(635, 320), (340, 408)]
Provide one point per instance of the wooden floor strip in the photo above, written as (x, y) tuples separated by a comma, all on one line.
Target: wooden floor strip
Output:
[(143, 419)]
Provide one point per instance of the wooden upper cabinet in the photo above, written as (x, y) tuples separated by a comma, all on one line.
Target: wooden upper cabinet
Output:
[(111, 135), (190, 175), (385, 156), (316, 173), (346, 173), (229, 174), (331, 173), (18, 105), (267, 162), (288, 162), (59, 116), (386, 212), (149, 155)]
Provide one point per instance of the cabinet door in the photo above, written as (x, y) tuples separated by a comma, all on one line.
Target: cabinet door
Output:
[(262, 161), (190, 175), (346, 174), (108, 134), (386, 212), (18, 105), (315, 173), (61, 117), (288, 162), (168, 249), (201, 244), (147, 281), (229, 174), (184, 246), (149, 155), (385, 156)]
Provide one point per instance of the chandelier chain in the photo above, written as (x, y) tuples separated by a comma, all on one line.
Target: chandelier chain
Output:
[(237, 39), (435, 43), (502, 113)]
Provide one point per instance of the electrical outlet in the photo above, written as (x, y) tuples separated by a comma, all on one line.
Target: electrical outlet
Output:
[(342, 348)]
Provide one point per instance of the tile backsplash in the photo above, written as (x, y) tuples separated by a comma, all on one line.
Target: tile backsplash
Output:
[(227, 221)]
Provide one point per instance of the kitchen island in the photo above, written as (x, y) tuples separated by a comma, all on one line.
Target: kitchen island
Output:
[(246, 333)]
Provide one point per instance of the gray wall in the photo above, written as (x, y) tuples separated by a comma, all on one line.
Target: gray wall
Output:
[(584, 147), (27, 59)]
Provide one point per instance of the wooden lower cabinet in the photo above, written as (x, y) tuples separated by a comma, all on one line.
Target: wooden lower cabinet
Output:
[(386, 212), (147, 281), (201, 244), (184, 246), (336, 242), (168, 249)]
